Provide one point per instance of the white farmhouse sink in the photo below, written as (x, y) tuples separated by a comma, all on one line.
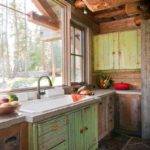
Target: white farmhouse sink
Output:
[(42, 105)]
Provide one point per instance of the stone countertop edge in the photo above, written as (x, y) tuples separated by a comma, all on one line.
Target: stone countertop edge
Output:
[(12, 119)]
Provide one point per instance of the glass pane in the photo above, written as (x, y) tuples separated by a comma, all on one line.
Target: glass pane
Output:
[(79, 69), (78, 40), (72, 39), (72, 68), (28, 50)]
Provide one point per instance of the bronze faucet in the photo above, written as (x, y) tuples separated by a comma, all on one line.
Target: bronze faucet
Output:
[(39, 93)]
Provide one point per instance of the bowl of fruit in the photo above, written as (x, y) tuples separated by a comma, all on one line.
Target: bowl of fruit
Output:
[(8, 104)]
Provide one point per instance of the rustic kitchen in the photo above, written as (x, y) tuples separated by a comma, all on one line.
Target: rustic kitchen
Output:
[(74, 75)]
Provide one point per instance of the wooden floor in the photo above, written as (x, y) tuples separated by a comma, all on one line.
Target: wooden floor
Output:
[(123, 142)]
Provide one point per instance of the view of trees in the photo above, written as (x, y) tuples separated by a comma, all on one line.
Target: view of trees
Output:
[(25, 52)]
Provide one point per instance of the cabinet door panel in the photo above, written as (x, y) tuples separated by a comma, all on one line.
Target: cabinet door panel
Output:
[(128, 48), (99, 64), (129, 112), (75, 130), (102, 117), (90, 126), (119, 50)]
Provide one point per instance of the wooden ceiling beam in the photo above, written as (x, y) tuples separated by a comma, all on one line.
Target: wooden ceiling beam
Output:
[(43, 21), (130, 10), (120, 25), (110, 14), (79, 4), (44, 7), (95, 5)]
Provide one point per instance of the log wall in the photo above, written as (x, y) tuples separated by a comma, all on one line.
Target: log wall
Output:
[(131, 77), (145, 103)]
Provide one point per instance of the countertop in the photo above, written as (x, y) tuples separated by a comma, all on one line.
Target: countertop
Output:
[(8, 120), (35, 117), (11, 119)]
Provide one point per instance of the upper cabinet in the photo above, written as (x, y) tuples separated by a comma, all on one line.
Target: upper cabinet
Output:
[(119, 50)]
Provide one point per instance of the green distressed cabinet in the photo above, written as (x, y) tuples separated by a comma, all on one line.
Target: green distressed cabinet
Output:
[(49, 135), (83, 130), (75, 130), (119, 50)]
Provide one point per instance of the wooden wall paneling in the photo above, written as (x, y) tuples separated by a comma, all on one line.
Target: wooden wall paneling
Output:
[(131, 77), (145, 69)]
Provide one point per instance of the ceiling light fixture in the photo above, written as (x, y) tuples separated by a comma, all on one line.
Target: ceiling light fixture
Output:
[(85, 11)]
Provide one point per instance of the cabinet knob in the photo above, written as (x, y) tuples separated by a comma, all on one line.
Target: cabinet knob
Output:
[(55, 127), (81, 131), (85, 128)]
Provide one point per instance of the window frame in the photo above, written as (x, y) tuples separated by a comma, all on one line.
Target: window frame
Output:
[(66, 47), (83, 52)]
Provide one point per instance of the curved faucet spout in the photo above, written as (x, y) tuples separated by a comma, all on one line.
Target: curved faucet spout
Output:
[(39, 93)]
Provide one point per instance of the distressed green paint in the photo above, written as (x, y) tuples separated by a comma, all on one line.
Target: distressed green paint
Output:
[(75, 137), (129, 47), (61, 146), (91, 129), (77, 131), (50, 133), (119, 50), (86, 120)]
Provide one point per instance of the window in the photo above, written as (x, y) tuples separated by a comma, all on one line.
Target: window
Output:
[(29, 47), (77, 54)]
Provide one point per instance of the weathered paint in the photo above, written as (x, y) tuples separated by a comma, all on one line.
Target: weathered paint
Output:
[(83, 129), (119, 50), (105, 116), (129, 112), (50, 133)]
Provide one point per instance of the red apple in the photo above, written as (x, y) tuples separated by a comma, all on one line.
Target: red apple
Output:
[(4, 100)]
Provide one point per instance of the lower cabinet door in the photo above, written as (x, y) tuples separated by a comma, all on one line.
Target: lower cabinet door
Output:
[(90, 127), (75, 131), (82, 129), (50, 133)]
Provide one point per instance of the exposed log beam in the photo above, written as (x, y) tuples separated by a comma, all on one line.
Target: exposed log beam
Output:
[(43, 20), (95, 5), (44, 7), (79, 4), (110, 14), (130, 9), (120, 25)]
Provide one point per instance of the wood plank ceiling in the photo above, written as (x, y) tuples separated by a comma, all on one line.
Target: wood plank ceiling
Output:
[(115, 12)]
